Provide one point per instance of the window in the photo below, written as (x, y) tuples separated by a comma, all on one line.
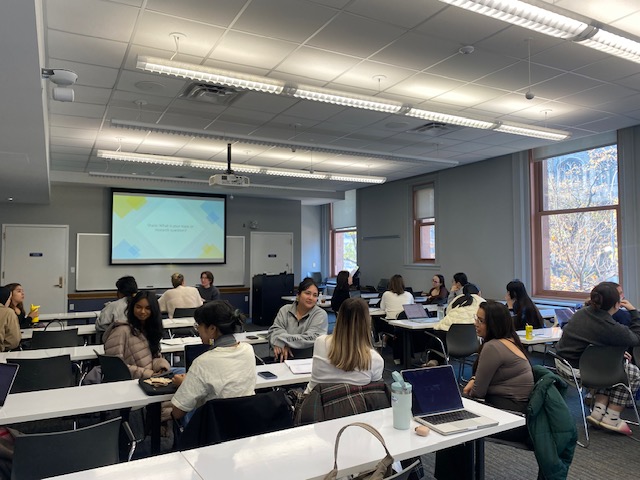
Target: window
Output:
[(575, 221), (424, 224), (345, 251), (344, 238)]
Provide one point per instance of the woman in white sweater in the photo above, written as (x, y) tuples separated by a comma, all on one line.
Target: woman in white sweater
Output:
[(347, 356), (394, 298)]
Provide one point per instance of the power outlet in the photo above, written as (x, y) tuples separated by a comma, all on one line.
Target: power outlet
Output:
[(72, 307), (246, 298)]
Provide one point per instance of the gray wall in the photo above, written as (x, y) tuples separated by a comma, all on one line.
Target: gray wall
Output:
[(474, 228), (87, 209), (483, 223), (311, 233)]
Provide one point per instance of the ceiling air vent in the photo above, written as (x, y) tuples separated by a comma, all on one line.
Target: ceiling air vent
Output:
[(216, 94), (433, 129)]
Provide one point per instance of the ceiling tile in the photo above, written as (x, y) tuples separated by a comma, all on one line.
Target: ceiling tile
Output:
[(252, 50), (83, 49), (148, 83), (424, 86), (221, 14), (319, 64), (416, 51), (599, 95), (472, 66), (412, 13)]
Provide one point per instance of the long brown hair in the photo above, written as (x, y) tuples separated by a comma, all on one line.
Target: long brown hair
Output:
[(351, 346), (396, 284), (12, 287)]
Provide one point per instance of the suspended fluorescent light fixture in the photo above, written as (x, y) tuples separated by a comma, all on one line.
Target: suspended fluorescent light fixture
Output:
[(524, 15), (209, 75), (450, 119), (241, 168), (305, 92), (553, 23), (538, 132), (326, 95)]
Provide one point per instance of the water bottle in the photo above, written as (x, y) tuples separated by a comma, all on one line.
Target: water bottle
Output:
[(440, 312), (401, 402), (528, 332)]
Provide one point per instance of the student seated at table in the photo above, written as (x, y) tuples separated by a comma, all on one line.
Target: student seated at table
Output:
[(17, 305), (459, 281), (341, 292), (524, 310), (9, 327), (297, 325), (117, 310), (180, 296), (395, 297), (438, 293), (593, 324), (502, 373), (227, 370), (137, 340), (347, 356), (208, 292)]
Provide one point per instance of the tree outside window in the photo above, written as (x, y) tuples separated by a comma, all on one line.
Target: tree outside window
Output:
[(576, 221), (345, 250)]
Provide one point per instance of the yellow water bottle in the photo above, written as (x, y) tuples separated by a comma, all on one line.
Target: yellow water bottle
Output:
[(528, 332), (35, 319)]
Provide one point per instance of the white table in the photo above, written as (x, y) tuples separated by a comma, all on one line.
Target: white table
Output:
[(541, 335), (83, 330), (307, 451), (170, 466)]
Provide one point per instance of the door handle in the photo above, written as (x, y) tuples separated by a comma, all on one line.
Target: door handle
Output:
[(60, 283)]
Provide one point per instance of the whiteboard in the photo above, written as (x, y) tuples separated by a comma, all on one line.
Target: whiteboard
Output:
[(93, 271)]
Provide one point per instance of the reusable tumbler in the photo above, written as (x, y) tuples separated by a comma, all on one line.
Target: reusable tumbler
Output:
[(401, 404)]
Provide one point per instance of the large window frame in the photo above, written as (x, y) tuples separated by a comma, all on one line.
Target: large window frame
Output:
[(424, 224), (542, 228)]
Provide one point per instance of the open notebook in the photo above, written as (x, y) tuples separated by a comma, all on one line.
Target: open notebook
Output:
[(299, 366)]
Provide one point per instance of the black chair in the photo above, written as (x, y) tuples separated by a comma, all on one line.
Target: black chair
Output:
[(43, 373), (183, 312), (462, 343), (224, 419), (302, 353), (115, 370), (599, 367), (54, 338), (48, 454), (383, 284), (316, 277)]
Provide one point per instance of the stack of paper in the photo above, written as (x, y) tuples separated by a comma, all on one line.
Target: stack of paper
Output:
[(299, 366)]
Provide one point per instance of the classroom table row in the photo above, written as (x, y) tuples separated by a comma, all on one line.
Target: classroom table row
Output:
[(64, 402), (306, 451)]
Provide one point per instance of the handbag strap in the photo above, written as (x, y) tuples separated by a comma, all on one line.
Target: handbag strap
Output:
[(368, 428)]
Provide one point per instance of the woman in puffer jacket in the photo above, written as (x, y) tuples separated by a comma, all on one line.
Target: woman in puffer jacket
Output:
[(137, 341)]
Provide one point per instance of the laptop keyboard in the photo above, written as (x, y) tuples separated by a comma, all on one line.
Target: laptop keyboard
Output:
[(450, 417)]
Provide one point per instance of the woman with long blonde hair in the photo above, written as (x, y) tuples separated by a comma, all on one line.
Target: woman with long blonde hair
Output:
[(347, 356)]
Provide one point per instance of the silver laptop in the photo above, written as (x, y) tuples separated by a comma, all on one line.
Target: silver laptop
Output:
[(437, 402), (416, 312), (8, 372)]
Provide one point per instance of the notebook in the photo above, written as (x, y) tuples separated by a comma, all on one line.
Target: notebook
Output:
[(416, 312), (299, 366), (8, 372), (437, 402)]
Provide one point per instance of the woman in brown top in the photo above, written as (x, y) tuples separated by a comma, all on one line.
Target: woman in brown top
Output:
[(502, 373)]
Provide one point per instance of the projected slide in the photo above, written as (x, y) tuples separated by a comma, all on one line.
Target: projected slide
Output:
[(167, 228)]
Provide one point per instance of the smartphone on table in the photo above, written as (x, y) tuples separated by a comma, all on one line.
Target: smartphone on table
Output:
[(267, 375)]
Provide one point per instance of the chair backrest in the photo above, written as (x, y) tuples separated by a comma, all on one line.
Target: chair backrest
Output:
[(636, 355), (113, 369), (316, 276), (191, 352), (402, 315), (462, 340), (47, 454), (302, 352), (54, 338), (43, 373), (383, 284), (602, 366), (183, 312), (224, 419)]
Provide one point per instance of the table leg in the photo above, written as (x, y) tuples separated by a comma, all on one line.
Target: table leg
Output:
[(407, 347), (479, 458), (154, 412)]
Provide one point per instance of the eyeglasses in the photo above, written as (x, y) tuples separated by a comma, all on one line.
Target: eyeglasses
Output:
[(478, 319)]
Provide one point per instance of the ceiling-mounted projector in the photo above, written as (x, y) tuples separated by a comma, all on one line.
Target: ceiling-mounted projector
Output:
[(229, 180)]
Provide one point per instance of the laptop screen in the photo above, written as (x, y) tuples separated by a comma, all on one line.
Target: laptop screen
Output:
[(355, 294), (8, 373), (415, 310), (434, 390)]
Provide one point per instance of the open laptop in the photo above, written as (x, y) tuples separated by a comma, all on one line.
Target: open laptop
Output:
[(8, 372), (437, 402), (416, 313)]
